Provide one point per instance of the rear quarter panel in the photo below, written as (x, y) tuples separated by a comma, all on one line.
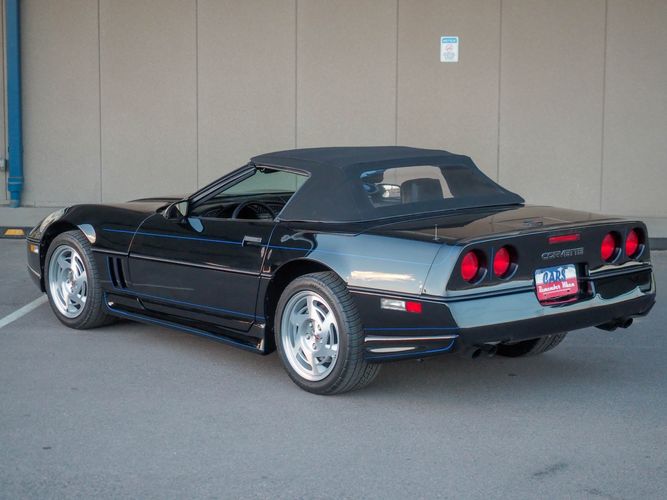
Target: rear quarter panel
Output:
[(368, 261)]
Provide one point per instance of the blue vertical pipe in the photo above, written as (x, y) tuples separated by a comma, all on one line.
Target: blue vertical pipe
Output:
[(14, 121)]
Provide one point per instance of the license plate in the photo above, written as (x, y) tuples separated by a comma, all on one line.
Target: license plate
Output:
[(556, 282)]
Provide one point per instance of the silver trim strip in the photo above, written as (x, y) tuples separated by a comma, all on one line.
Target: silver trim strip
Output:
[(383, 338)]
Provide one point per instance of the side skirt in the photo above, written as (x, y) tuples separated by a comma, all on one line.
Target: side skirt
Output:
[(258, 348)]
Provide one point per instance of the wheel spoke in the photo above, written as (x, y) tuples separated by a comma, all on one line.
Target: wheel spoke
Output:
[(327, 352), (298, 319), (329, 323), (79, 282), (62, 263), (312, 312)]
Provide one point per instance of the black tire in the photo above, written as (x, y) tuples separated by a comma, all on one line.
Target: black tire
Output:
[(351, 371), (93, 313), (531, 347)]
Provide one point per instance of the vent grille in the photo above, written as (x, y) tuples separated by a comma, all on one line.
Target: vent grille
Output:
[(117, 271)]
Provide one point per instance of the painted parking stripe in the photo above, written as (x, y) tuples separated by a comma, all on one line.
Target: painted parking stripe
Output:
[(19, 313)]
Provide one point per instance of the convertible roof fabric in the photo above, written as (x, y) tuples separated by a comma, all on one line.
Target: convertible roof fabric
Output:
[(314, 159), (334, 191)]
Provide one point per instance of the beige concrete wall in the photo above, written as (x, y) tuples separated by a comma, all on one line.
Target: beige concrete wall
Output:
[(61, 101), (346, 72), (148, 97), (246, 97), (635, 118), (562, 101), (454, 105), (552, 76)]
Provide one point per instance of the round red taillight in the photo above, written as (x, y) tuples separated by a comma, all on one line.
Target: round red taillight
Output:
[(502, 262), (470, 266), (609, 247), (632, 243)]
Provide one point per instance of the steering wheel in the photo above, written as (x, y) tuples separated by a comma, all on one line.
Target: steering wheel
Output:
[(249, 203)]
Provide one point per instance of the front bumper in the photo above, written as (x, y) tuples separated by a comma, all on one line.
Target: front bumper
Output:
[(34, 263), (459, 325)]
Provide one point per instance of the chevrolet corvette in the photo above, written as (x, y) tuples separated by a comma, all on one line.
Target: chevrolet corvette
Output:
[(343, 258)]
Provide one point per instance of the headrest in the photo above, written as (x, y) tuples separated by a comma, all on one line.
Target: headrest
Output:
[(420, 190)]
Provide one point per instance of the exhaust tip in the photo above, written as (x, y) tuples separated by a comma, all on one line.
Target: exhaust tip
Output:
[(617, 323)]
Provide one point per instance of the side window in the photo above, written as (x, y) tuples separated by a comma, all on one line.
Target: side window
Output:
[(261, 194)]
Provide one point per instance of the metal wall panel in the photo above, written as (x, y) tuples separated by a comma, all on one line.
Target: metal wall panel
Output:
[(189, 89), (346, 72), (148, 98), (246, 81), (551, 100), (60, 85), (635, 128), (451, 106)]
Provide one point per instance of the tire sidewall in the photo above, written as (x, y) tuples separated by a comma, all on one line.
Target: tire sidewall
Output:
[(308, 283), (69, 240)]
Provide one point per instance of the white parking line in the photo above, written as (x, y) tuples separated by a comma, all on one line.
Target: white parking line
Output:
[(19, 313)]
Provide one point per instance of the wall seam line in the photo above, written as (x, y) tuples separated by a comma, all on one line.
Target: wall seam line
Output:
[(500, 74), (296, 73), (99, 88), (396, 80), (604, 100), (197, 181)]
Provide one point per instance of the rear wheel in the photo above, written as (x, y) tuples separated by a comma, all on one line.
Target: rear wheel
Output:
[(531, 347), (72, 282), (319, 336)]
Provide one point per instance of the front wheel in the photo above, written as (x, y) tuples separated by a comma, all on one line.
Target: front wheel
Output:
[(319, 336), (72, 282), (531, 347)]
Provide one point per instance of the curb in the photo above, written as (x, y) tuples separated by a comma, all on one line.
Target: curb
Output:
[(14, 233)]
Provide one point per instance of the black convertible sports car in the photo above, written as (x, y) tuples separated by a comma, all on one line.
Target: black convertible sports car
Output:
[(342, 258)]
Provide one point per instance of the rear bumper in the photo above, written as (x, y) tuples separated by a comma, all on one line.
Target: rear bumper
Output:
[(455, 326)]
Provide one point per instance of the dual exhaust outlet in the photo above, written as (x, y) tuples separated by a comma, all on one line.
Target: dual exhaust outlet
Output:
[(489, 350), (614, 324), (474, 352)]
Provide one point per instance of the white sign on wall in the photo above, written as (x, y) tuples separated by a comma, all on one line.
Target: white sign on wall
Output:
[(449, 49)]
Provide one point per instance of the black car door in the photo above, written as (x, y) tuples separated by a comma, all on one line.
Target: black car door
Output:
[(200, 269)]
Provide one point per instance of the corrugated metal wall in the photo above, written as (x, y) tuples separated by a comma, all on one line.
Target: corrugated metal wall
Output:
[(563, 101)]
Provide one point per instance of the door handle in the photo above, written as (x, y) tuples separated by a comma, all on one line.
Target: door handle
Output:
[(251, 241)]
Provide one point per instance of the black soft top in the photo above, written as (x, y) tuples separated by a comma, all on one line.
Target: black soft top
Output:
[(334, 191)]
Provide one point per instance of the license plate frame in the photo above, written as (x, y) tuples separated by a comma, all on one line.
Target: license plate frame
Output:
[(557, 283)]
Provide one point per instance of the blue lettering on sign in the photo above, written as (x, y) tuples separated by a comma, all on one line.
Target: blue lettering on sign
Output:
[(446, 39), (554, 275)]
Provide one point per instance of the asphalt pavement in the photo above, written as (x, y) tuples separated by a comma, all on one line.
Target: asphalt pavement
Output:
[(135, 411)]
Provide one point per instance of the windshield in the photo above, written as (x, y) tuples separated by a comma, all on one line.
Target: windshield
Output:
[(264, 181)]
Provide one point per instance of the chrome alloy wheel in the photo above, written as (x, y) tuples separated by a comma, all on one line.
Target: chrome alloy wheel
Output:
[(68, 282), (310, 335)]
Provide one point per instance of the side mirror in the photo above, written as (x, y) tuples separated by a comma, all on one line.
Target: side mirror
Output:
[(177, 211)]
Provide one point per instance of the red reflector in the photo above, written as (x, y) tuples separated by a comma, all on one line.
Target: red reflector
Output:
[(564, 238), (413, 307), (469, 266), (608, 247), (631, 243), (501, 262)]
